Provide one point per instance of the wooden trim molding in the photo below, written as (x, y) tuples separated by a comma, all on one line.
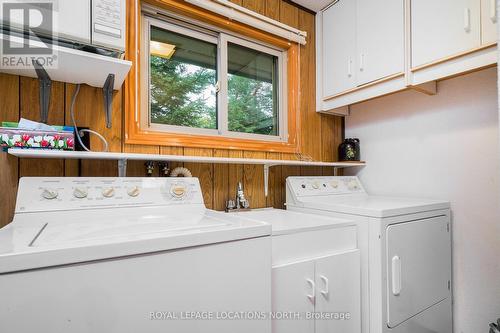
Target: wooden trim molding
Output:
[(134, 134), (452, 57), (366, 85)]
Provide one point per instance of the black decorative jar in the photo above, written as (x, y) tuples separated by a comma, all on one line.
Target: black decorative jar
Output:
[(349, 150)]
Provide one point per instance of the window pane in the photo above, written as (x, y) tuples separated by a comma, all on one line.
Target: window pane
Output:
[(252, 91), (183, 80)]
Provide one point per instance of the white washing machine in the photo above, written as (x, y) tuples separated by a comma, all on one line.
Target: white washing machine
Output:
[(405, 248), (316, 272), (130, 255)]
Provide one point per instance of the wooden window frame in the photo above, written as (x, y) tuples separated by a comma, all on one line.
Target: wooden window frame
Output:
[(221, 40), (134, 134)]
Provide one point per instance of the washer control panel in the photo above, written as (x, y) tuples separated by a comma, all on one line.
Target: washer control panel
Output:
[(330, 185), (67, 193)]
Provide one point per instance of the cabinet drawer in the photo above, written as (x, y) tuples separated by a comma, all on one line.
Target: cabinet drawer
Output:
[(312, 244)]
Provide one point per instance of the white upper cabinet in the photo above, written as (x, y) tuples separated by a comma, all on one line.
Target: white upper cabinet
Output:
[(358, 42), (488, 22), (380, 39), (338, 32), (443, 28), (371, 48)]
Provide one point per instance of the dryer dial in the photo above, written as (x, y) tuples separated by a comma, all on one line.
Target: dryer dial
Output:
[(178, 190)]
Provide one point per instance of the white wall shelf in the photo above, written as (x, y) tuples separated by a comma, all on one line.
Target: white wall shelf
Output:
[(73, 66), (122, 159)]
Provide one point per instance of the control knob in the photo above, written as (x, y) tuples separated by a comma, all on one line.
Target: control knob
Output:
[(133, 191), (80, 192), (108, 192), (353, 185), (49, 193), (178, 191)]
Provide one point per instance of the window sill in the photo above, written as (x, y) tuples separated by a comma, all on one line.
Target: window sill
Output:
[(143, 137)]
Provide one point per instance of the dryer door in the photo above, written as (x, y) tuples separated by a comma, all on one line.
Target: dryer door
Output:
[(418, 267)]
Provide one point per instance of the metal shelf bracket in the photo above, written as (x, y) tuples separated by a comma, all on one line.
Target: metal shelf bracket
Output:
[(108, 97), (45, 85), (122, 168), (266, 178)]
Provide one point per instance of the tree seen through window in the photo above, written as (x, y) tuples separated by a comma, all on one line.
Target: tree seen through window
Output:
[(183, 85)]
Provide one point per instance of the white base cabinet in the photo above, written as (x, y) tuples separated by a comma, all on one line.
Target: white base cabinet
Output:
[(338, 281), (291, 285), (321, 295), (316, 269), (316, 287)]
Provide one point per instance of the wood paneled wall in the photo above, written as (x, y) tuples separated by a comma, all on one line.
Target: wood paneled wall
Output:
[(320, 134)]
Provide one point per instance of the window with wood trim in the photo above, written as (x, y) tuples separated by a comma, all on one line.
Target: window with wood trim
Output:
[(199, 84), (208, 82)]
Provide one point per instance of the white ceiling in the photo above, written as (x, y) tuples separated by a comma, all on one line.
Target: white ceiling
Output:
[(315, 5)]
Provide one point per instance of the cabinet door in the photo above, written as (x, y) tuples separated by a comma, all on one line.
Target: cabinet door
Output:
[(419, 267), (338, 287), (339, 47), (380, 39), (293, 291), (488, 21), (443, 28)]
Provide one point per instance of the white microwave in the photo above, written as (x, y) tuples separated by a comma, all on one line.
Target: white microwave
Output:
[(94, 23)]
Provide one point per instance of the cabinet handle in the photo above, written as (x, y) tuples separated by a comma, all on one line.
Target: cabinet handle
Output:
[(361, 62), (493, 11), (349, 67), (312, 296), (396, 275), (327, 288), (467, 20)]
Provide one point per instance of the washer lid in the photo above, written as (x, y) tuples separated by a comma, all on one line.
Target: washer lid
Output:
[(372, 206), (88, 232), (49, 239), (287, 222)]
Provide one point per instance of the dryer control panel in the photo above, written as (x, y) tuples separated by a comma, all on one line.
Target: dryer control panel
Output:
[(37, 194), (329, 185)]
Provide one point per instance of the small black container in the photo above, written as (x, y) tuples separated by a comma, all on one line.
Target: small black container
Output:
[(349, 150)]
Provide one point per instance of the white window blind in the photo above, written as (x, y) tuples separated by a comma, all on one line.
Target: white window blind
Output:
[(248, 17)]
